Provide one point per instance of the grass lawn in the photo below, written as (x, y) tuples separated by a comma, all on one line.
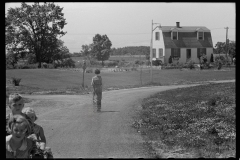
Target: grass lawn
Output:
[(69, 81), (190, 122)]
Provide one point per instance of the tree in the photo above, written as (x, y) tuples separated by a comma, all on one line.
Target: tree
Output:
[(232, 48), (86, 51), (101, 47), (11, 59), (220, 48), (35, 28)]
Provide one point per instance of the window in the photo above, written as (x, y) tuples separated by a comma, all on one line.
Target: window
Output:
[(200, 35), (154, 53), (201, 51), (174, 35), (188, 53), (175, 52), (160, 52), (157, 37)]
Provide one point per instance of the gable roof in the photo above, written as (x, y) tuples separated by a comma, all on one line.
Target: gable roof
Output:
[(187, 40)]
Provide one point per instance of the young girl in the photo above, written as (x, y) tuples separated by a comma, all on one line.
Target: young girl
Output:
[(16, 105), (17, 143), (38, 133)]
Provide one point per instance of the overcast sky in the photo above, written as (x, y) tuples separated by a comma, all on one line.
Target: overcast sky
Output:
[(129, 24)]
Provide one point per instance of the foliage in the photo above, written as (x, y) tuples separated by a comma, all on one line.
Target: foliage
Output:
[(200, 119), (16, 81), (157, 62), (132, 50), (86, 52), (34, 29), (232, 49), (100, 47), (11, 59), (68, 62)]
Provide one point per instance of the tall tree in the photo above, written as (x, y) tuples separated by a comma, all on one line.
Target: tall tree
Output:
[(101, 47), (220, 47), (36, 28)]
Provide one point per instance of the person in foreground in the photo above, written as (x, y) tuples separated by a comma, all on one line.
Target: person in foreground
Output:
[(16, 105), (17, 143), (97, 89), (38, 134)]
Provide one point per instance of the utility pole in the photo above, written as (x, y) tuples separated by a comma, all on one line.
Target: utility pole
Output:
[(226, 41), (151, 45), (151, 50)]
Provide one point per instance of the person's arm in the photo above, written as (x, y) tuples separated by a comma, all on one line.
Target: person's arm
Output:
[(43, 139)]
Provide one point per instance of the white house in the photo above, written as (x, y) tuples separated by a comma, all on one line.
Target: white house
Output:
[(182, 43)]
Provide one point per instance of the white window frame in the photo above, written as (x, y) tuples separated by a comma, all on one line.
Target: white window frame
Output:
[(160, 52), (202, 34), (172, 35)]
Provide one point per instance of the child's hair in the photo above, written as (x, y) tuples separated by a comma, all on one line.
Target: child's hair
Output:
[(29, 111), (97, 71), (14, 98), (18, 119)]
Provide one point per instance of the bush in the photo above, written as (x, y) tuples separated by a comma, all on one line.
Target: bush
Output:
[(88, 71), (27, 66), (190, 64), (157, 62), (16, 81), (44, 65), (68, 63)]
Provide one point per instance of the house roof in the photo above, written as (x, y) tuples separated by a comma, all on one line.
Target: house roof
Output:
[(187, 40), (184, 28)]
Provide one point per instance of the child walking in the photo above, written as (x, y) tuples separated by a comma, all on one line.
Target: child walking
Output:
[(17, 143), (16, 105), (38, 133), (97, 89)]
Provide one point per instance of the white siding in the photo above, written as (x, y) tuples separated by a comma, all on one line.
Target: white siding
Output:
[(209, 52), (158, 44)]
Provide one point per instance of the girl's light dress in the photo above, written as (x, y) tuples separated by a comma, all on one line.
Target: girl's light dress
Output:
[(22, 152)]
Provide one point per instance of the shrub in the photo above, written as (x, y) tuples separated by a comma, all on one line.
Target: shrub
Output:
[(89, 71), (68, 63), (190, 64), (157, 62), (44, 65), (16, 81)]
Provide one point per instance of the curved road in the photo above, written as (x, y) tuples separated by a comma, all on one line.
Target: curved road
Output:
[(73, 130)]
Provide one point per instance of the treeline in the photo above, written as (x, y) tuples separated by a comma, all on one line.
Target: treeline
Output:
[(130, 50)]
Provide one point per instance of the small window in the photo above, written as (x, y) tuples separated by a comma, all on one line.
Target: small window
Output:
[(154, 53), (157, 37), (200, 35), (160, 52), (174, 35), (175, 52)]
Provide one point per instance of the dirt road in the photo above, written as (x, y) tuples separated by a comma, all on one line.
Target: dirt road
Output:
[(73, 130)]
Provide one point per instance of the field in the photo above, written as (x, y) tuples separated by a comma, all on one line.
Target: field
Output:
[(70, 81), (190, 122), (126, 58)]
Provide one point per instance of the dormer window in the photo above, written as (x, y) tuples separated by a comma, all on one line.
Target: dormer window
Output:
[(200, 36), (174, 35)]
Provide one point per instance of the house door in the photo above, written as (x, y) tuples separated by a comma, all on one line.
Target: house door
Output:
[(188, 55)]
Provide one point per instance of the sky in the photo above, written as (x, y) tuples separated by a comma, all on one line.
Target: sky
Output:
[(130, 24)]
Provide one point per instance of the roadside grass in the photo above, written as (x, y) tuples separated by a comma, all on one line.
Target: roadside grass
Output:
[(190, 122), (56, 81)]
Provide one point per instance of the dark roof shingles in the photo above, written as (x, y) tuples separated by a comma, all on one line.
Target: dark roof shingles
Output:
[(187, 40)]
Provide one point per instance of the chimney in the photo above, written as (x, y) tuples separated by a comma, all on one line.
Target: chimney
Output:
[(178, 24)]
